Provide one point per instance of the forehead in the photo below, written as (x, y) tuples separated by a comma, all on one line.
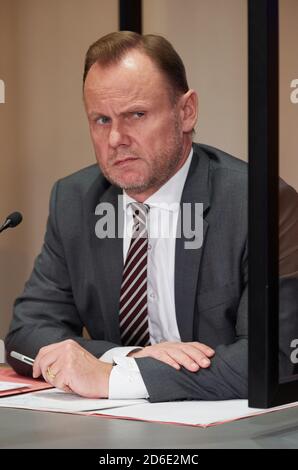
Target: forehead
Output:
[(134, 77)]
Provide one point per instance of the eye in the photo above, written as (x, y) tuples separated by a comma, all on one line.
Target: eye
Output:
[(102, 120), (138, 114)]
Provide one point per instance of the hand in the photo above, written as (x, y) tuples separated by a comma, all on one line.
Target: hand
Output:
[(192, 356), (66, 365)]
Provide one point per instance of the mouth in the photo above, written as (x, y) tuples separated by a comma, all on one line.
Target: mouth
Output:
[(125, 161)]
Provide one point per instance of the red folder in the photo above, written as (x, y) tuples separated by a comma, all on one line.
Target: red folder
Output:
[(32, 385)]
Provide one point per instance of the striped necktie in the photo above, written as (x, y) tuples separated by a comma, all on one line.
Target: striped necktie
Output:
[(134, 328)]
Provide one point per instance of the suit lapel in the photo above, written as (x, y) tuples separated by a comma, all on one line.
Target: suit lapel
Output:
[(187, 261), (108, 255)]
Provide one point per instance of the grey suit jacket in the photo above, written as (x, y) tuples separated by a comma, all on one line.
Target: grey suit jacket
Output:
[(76, 280)]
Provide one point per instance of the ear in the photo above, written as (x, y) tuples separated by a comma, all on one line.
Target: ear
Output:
[(189, 110)]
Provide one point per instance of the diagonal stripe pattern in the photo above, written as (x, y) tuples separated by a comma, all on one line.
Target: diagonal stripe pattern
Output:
[(133, 318)]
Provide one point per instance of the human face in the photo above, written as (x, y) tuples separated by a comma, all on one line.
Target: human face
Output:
[(136, 128)]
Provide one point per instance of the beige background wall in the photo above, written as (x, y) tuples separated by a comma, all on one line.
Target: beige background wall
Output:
[(13, 252), (43, 132), (211, 36)]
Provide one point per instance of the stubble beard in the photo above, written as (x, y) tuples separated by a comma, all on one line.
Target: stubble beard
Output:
[(168, 160)]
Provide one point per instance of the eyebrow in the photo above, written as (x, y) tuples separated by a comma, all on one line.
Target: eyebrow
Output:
[(94, 114), (130, 109)]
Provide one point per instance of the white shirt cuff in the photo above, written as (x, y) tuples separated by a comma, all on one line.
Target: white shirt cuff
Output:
[(108, 356), (126, 381)]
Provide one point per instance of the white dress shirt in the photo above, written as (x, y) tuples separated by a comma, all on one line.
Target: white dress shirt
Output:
[(125, 379)]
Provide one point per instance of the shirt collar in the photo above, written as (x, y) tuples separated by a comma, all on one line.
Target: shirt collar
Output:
[(169, 195)]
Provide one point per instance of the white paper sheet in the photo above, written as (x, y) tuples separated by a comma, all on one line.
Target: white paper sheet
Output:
[(57, 400), (11, 385), (198, 413)]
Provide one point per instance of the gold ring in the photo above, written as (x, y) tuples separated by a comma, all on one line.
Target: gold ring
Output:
[(50, 373)]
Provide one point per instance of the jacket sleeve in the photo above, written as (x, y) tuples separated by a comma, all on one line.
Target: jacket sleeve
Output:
[(226, 378), (46, 313)]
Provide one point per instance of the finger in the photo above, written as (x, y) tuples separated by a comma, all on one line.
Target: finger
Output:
[(204, 348), (39, 368), (39, 360), (48, 376), (196, 355), (36, 371), (61, 382), (165, 357), (182, 358), (48, 360)]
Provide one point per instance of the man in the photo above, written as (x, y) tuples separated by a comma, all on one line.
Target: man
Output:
[(177, 328)]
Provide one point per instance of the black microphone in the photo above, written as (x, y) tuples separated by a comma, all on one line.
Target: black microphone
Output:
[(12, 220)]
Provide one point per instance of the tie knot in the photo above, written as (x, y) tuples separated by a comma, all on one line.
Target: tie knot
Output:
[(139, 210)]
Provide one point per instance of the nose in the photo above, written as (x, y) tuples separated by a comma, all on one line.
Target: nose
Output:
[(118, 136)]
